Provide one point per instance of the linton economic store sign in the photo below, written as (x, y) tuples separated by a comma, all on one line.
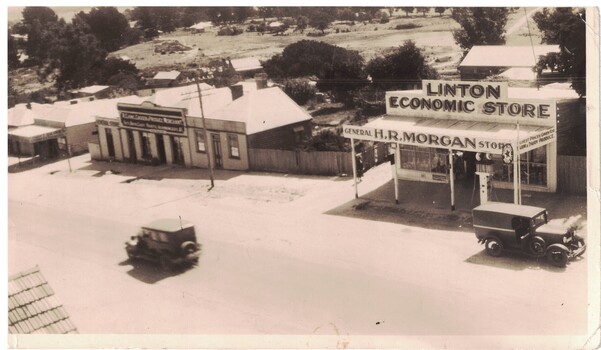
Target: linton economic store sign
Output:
[(481, 101)]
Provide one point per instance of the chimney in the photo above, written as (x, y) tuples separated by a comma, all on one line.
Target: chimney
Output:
[(261, 80), (237, 91)]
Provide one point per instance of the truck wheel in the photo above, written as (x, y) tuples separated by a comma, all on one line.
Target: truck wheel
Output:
[(537, 245), (493, 246), (557, 256), (166, 263)]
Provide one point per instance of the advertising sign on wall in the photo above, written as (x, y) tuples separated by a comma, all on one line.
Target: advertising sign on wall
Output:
[(153, 119), (478, 101)]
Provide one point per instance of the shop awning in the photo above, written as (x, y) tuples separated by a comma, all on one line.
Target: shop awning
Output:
[(473, 136), (35, 133)]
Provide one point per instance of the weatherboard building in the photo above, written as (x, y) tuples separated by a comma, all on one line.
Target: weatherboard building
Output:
[(504, 137), (169, 128)]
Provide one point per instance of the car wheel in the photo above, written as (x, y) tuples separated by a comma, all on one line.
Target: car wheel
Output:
[(557, 256), (188, 247), (537, 245), (493, 246)]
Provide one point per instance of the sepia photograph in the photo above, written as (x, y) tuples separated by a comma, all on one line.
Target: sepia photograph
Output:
[(302, 177)]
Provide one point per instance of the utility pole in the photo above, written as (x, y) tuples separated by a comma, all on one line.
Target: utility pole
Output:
[(204, 126)]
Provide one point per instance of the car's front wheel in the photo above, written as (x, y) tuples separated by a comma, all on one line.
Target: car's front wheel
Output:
[(557, 256), (493, 246)]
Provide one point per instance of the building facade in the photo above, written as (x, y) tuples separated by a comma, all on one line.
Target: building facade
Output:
[(175, 132), (458, 129)]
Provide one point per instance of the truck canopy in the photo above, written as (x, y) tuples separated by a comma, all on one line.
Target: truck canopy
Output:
[(510, 209)]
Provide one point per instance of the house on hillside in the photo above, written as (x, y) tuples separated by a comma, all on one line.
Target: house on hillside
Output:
[(90, 93), (512, 62), (247, 67), (167, 79), (169, 128)]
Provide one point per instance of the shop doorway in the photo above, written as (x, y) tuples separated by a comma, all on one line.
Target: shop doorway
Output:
[(110, 143), (178, 152), (131, 145), (161, 149), (217, 151), (46, 149), (469, 165)]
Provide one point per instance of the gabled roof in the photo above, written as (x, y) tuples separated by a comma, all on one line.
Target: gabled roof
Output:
[(201, 25), (33, 307), (245, 64), (172, 75), (263, 110), (505, 56), (86, 112), (20, 116), (187, 97)]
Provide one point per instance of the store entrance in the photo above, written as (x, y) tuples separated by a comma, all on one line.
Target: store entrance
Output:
[(161, 149)]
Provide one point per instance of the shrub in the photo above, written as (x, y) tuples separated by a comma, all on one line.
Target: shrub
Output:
[(229, 31), (406, 26)]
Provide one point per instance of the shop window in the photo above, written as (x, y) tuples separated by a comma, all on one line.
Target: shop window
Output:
[(533, 166), (233, 146), (201, 146), (145, 138), (431, 160), (62, 143)]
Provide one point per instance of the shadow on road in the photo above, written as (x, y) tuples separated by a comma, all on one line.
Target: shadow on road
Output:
[(148, 272), (514, 261)]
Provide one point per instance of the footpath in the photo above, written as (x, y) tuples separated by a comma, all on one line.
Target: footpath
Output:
[(420, 204)]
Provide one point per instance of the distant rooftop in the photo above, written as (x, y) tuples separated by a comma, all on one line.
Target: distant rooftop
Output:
[(92, 89), (172, 75), (246, 64), (201, 25), (505, 56), (33, 308)]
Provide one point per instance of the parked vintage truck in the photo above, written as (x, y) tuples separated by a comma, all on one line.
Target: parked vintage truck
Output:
[(506, 226), (169, 242)]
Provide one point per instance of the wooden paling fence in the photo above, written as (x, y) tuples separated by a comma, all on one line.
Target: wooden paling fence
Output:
[(571, 175), (313, 163)]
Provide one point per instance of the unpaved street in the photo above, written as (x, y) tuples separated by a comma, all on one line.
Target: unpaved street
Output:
[(273, 262)]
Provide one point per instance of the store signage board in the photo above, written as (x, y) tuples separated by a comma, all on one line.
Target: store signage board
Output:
[(443, 139), (473, 101), (152, 119)]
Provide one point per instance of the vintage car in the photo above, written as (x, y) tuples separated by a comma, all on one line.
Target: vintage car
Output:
[(506, 226), (170, 242)]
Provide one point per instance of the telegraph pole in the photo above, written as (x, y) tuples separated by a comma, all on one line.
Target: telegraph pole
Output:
[(204, 126)]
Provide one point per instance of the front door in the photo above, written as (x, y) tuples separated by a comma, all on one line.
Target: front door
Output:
[(110, 143), (161, 149), (132, 146), (178, 152), (217, 151)]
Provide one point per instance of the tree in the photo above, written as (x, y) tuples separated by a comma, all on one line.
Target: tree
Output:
[(326, 140), (480, 26), (108, 25), (146, 21), (321, 19), (241, 14), (339, 70), (402, 68), (423, 10), (77, 57), (407, 10), (565, 27), (41, 26), (301, 23), (440, 10), (299, 90), (13, 53)]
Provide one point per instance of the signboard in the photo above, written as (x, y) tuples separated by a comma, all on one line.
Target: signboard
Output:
[(538, 140), (106, 122), (475, 101), (438, 139), (47, 136), (150, 117)]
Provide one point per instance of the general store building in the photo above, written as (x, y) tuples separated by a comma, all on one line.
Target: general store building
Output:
[(484, 130), (168, 128)]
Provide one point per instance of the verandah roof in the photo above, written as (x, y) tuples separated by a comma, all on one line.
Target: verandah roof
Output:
[(475, 136)]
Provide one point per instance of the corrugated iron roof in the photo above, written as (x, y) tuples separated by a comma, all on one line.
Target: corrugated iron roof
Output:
[(505, 55), (33, 307)]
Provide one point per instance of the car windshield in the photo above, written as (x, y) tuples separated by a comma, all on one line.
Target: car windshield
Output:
[(539, 219)]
